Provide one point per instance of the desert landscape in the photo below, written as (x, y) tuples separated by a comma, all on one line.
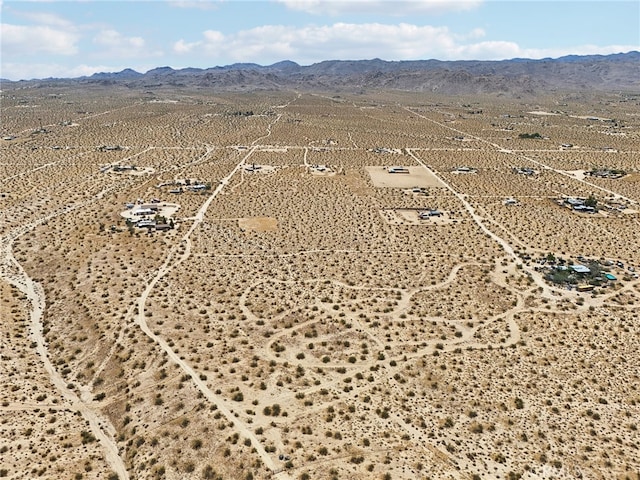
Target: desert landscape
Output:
[(307, 285)]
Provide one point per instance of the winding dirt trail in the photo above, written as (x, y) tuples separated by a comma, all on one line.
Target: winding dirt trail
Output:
[(172, 261), (14, 273)]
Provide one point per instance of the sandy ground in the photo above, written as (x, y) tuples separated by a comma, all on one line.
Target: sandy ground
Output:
[(417, 177), (258, 224), (305, 324)]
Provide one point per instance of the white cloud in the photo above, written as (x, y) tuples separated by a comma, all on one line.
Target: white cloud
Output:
[(476, 33), (117, 45), (316, 43), (383, 7), (43, 18), (114, 39), (181, 47), (18, 40), (26, 71), (488, 51), (346, 41), (576, 50)]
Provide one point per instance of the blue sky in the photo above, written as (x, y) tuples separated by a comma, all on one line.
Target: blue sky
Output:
[(50, 38)]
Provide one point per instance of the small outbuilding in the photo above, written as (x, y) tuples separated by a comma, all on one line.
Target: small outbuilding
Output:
[(429, 213), (580, 269), (146, 224), (584, 208)]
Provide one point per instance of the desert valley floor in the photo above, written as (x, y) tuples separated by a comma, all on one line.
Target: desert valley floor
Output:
[(302, 286)]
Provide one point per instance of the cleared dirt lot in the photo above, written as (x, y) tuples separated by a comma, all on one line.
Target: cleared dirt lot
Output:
[(415, 177), (258, 224), (305, 324)]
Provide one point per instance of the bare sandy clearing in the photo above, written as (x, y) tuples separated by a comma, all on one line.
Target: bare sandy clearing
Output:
[(579, 174), (416, 177), (143, 171), (631, 177), (259, 224)]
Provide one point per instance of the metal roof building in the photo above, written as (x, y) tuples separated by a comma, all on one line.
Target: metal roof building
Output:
[(580, 269)]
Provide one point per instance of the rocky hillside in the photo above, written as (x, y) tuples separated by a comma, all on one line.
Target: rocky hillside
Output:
[(516, 76)]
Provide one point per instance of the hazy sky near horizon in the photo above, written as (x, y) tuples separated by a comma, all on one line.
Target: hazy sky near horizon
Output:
[(51, 38)]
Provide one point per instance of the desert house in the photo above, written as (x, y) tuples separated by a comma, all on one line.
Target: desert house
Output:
[(398, 170)]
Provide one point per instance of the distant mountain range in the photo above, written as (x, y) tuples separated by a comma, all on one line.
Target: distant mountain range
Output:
[(516, 76)]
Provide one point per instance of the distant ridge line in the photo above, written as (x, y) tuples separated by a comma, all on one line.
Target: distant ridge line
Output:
[(620, 71)]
